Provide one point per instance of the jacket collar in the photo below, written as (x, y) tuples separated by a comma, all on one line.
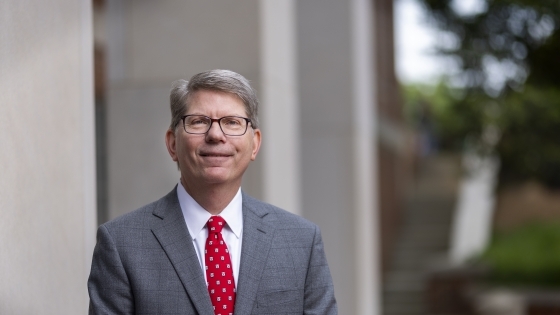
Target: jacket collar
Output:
[(257, 240), (174, 238)]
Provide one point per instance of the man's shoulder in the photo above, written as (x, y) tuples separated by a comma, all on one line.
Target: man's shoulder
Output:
[(142, 216)]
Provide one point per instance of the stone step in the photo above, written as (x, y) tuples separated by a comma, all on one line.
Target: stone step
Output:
[(423, 242), (404, 309), (437, 220), (428, 237), (416, 254), (429, 206), (395, 297), (404, 304), (411, 276), (425, 229), (417, 287), (409, 265)]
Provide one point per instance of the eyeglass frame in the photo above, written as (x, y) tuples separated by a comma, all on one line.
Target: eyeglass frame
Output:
[(212, 120)]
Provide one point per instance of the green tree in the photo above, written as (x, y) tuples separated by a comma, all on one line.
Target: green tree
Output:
[(520, 37), (509, 60)]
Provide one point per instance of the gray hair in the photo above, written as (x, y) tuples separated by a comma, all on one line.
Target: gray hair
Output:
[(215, 80)]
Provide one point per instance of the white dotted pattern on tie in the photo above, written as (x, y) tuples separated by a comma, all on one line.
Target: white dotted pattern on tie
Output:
[(219, 273)]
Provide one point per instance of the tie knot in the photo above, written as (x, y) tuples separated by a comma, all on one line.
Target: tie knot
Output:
[(215, 224)]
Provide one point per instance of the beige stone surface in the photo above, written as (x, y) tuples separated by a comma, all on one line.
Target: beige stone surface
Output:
[(46, 161)]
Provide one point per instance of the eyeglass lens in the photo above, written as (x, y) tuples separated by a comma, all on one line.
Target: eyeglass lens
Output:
[(230, 125)]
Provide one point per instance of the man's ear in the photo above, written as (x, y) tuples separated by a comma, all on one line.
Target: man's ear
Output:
[(171, 143), (256, 143)]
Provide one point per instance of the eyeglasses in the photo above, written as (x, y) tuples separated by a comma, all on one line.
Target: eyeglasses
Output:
[(230, 125)]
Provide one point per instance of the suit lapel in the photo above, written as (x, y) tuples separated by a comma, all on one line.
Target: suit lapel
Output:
[(173, 236), (257, 240)]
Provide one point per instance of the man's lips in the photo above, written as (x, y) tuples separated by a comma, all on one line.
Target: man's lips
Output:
[(215, 154), (215, 157)]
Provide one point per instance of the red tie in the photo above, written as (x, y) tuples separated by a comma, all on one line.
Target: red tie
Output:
[(219, 272)]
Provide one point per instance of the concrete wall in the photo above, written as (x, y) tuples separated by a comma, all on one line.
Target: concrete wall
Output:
[(47, 171)]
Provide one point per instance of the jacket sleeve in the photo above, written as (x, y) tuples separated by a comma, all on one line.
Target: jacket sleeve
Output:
[(108, 284), (319, 296)]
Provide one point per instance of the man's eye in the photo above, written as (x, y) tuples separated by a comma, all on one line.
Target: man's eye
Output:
[(199, 122), (232, 122)]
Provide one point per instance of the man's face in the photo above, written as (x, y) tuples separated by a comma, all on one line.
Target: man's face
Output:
[(213, 158)]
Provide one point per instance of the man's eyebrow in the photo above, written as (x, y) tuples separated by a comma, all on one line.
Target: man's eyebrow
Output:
[(235, 114)]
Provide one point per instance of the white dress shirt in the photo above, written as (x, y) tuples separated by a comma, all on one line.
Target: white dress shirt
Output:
[(196, 218)]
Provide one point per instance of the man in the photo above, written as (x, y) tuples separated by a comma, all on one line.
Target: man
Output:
[(206, 247)]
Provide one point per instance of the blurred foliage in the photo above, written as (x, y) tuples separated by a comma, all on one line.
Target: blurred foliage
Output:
[(529, 147), (522, 36), (529, 255), (517, 115), (450, 117), (522, 128)]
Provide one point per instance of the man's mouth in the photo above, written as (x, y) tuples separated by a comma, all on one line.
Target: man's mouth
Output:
[(213, 154)]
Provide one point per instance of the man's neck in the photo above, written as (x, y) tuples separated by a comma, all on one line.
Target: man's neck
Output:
[(213, 198)]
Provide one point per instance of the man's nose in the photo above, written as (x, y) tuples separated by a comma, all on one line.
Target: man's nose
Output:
[(215, 132)]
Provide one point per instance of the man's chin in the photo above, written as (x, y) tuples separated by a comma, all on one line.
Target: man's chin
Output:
[(216, 175)]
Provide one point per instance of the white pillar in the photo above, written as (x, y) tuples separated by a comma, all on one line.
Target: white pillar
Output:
[(365, 159), (47, 183), (88, 135), (279, 104), (338, 144)]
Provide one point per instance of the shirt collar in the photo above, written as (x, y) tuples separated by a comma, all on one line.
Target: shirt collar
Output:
[(196, 216)]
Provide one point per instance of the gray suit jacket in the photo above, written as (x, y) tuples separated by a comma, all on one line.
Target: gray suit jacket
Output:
[(145, 263)]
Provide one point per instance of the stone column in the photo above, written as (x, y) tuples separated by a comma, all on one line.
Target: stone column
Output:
[(281, 173), (338, 144), (47, 166)]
